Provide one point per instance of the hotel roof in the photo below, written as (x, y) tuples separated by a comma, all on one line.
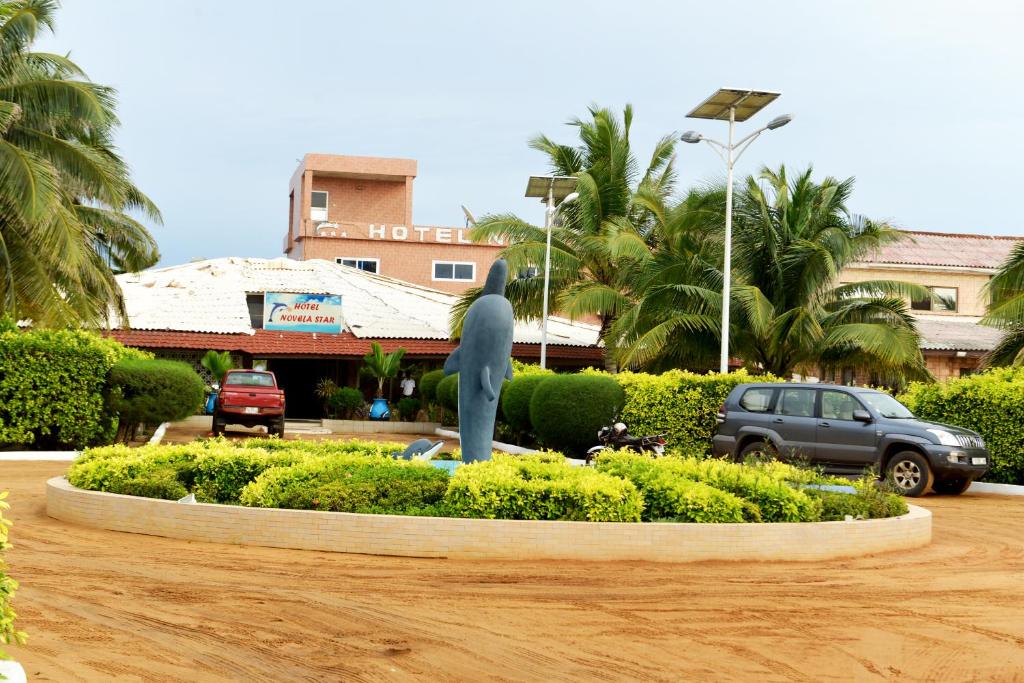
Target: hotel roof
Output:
[(210, 297), (955, 333), (947, 250)]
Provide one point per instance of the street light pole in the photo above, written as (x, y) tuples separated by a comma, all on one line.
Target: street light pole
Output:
[(551, 189), (737, 105)]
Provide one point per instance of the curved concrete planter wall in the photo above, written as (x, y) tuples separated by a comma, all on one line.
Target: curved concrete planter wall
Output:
[(485, 538)]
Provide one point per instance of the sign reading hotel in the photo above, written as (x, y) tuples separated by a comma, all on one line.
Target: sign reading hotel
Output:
[(302, 312), (402, 233)]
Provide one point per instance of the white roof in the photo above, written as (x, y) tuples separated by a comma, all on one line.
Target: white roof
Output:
[(209, 296)]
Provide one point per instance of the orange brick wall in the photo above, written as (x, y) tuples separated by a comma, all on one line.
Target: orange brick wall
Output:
[(364, 201), (409, 261)]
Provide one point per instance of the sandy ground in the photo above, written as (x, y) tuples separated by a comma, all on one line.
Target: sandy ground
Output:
[(184, 433), (102, 606)]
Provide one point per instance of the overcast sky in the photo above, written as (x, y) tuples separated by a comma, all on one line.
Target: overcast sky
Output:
[(920, 101)]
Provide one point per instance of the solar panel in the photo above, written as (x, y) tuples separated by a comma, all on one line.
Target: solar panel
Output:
[(562, 186), (746, 102)]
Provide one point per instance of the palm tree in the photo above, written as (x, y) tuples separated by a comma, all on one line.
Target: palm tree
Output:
[(382, 365), (792, 238), (218, 363), (65, 194), (1006, 310), (602, 236)]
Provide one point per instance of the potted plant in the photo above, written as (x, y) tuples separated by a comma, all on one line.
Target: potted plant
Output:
[(218, 364), (10, 672), (381, 366)]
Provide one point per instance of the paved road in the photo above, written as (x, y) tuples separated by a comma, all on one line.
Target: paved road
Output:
[(102, 606)]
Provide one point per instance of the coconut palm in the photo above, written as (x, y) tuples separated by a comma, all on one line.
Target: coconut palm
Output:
[(1006, 310), (65, 195), (791, 240), (382, 365), (218, 364), (601, 237)]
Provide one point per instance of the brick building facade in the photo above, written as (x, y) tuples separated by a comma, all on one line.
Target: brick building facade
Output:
[(357, 211)]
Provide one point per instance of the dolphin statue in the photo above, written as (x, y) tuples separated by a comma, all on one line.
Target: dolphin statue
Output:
[(483, 361)]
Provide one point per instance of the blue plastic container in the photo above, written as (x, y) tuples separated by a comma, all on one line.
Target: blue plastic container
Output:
[(379, 409)]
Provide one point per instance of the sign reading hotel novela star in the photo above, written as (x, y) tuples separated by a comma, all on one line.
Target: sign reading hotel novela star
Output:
[(302, 312), (424, 233)]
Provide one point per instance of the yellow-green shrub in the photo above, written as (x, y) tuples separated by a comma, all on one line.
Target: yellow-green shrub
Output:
[(8, 633), (540, 487), (991, 404)]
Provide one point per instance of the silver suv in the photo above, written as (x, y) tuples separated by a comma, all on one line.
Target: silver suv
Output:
[(847, 429)]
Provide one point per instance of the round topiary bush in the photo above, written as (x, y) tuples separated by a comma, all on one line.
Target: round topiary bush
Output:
[(567, 410), (448, 392), (515, 400), (428, 385)]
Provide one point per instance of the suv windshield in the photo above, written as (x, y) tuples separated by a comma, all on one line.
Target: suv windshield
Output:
[(249, 379), (886, 405)]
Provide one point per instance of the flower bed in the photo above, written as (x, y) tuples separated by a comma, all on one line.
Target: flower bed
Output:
[(362, 477)]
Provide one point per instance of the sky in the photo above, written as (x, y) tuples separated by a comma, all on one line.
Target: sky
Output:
[(920, 101)]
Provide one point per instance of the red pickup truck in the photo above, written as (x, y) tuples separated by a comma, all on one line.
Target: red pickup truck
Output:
[(249, 398)]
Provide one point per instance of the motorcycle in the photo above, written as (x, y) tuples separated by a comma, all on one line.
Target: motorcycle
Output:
[(617, 436)]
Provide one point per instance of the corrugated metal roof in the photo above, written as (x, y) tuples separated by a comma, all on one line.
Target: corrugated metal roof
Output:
[(946, 249), (209, 296), (955, 333)]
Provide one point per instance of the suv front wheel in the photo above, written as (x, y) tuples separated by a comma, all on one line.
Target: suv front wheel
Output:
[(910, 473)]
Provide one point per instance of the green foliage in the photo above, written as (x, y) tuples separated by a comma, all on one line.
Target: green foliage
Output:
[(67, 199), (870, 502), (991, 403), (515, 399), (448, 392), (566, 411), (382, 365), (218, 363), (681, 404), (349, 483), (52, 386), (428, 385), (408, 407), (146, 391), (346, 400), (8, 633), (520, 369), (539, 487)]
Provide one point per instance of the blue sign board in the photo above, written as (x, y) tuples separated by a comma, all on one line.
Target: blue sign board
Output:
[(302, 312)]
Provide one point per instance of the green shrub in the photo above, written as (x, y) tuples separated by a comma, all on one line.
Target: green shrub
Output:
[(775, 499), (448, 393), (991, 403), (566, 411), (52, 388), (8, 633), (161, 483), (868, 503), (530, 487), (349, 483), (346, 400), (515, 400), (428, 385), (221, 474), (680, 404), (144, 391), (408, 407)]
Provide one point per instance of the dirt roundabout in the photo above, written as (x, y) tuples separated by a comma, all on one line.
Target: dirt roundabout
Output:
[(103, 606)]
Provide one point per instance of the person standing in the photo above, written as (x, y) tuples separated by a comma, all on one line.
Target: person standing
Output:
[(408, 386)]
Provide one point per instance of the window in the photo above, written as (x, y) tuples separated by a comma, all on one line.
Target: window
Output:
[(318, 206), (370, 265), (838, 405), (249, 379), (255, 304), (449, 270), (757, 400), (797, 402), (943, 299), (886, 405)]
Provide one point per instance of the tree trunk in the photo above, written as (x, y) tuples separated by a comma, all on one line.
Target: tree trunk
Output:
[(611, 365)]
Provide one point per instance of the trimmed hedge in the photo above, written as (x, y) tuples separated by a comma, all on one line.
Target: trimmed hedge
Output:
[(991, 403), (144, 391), (8, 633), (346, 400), (53, 386), (540, 487), (428, 385), (349, 483), (566, 411), (448, 392), (515, 400), (408, 407)]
